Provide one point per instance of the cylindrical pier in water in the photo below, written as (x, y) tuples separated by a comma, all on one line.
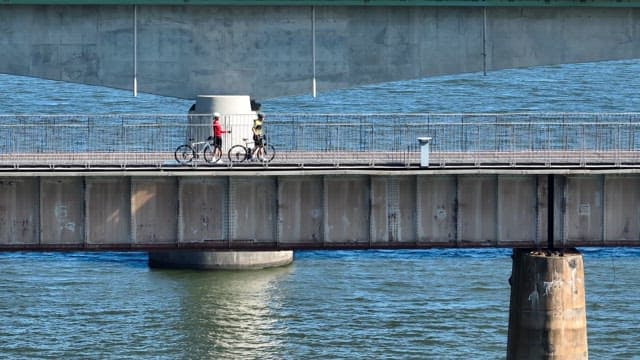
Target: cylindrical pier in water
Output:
[(547, 317)]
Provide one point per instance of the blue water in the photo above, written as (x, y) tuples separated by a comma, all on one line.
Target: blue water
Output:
[(436, 304), (592, 87)]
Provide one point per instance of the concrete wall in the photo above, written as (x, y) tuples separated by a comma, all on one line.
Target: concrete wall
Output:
[(253, 209), (621, 210), (300, 209), (19, 211), (393, 209), (584, 211), (203, 209), (62, 210), (154, 209), (317, 211), (108, 210), (346, 209), (477, 208), (517, 209), (266, 51), (437, 205)]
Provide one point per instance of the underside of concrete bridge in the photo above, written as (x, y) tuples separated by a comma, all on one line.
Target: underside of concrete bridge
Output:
[(272, 48)]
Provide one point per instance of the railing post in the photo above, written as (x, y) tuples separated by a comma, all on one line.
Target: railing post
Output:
[(424, 150)]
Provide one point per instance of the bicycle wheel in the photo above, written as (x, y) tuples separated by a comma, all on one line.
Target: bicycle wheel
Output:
[(211, 155), (269, 152), (184, 154), (238, 153)]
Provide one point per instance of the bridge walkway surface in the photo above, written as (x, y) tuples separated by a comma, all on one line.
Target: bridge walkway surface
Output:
[(313, 160)]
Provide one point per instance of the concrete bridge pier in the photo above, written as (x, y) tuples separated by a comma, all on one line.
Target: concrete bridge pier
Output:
[(220, 260), (238, 106), (547, 316)]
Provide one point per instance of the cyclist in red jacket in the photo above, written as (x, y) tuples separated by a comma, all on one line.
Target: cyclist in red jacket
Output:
[(217, 136)]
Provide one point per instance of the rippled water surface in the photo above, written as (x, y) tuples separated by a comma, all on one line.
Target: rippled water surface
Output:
[(438, 304)]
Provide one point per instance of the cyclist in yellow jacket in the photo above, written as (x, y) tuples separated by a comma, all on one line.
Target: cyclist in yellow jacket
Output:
[(258, 137)]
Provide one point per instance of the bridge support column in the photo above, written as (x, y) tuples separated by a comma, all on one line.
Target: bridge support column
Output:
[(547, 317), (220, 260)]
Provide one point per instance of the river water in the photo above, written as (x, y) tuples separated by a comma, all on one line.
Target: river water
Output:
[(435, 304)]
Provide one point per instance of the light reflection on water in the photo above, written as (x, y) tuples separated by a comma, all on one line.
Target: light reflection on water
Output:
[(232, 312)]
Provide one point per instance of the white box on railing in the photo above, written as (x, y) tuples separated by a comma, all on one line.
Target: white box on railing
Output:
[(424, 150)]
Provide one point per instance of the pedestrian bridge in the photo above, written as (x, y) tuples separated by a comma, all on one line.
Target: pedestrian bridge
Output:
[(304, 141), (337, 182)]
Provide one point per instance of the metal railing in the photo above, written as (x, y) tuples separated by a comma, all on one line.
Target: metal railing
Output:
[(330, 139)]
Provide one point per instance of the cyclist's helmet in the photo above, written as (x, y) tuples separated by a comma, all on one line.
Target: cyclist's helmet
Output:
[(216, 115)]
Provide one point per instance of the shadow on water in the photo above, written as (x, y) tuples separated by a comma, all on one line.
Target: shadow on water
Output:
[(129, 259), (140, 259), (403, 254)]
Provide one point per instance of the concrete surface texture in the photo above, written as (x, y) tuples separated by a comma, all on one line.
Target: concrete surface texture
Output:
[(220, 260), (268, 51), (547, 317), (339, 210)]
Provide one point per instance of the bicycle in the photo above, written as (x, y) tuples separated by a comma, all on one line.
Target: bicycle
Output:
[(239, 153), (185, 153)]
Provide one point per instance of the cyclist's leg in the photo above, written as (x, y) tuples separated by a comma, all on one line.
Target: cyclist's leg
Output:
[(255, 151), (218, 149), (263, 147), (258, 147), (219, 153)]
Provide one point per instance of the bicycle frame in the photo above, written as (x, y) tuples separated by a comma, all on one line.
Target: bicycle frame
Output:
[(185, 153), (239, 153), (200, 146)]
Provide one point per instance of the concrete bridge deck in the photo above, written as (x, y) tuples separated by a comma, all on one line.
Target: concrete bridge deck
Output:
[(247, 208)]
